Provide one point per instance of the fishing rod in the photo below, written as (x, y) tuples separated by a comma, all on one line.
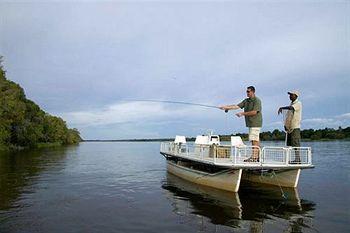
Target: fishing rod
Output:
[(174, 102)]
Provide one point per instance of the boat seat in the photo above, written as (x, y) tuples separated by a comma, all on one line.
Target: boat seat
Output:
[(201, 140), (180, 139), (236, 141)]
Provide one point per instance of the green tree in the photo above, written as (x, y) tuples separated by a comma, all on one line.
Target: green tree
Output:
[(24, 124)]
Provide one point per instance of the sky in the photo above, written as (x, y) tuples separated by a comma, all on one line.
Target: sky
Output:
[(84, 61)]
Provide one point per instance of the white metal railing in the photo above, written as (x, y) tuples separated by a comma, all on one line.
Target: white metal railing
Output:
[(244, 155), (275, 155), (300, 155), (247, 155)]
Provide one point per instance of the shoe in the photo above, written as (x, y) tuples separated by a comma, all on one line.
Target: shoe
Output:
[(296, 161), (251, 160)]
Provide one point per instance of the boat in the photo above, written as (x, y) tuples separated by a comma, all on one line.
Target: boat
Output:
[(212, 163)]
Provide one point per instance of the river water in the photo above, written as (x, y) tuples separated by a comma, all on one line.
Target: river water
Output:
[(124, 187)]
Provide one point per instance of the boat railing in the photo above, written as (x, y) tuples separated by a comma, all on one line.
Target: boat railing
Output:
[(242, 156), (275, 155), (300, 155)]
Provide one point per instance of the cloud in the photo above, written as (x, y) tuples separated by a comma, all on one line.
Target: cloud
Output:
[(132, 112), (342, 120), (79, 60), (274, 125), (345, 116), (144, 119)]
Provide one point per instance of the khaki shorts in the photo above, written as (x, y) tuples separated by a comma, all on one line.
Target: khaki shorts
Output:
[(254, 133)]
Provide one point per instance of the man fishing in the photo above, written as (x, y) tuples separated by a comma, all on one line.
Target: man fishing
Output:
[(253, 118), (292, 122)]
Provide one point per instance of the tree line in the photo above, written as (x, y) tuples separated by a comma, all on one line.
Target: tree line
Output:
[(306, 134), (24, 124)]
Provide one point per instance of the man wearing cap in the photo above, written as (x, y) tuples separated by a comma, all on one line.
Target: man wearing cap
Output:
[(253, 118), (292, 121)]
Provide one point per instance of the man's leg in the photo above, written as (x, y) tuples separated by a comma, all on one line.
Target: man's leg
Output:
[(256, 143), (254, 134), (289, 139), (295, 142), (256, 150)]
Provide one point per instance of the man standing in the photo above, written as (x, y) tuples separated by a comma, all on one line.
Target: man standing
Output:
[(253, 118), (292, 122)]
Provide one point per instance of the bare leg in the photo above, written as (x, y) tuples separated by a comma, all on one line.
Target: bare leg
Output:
[(255, 150)]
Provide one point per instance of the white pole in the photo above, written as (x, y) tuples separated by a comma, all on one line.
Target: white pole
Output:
[(285, 141), (284, 112)]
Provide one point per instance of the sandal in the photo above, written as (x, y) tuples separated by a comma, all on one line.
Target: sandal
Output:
[(251, 160)]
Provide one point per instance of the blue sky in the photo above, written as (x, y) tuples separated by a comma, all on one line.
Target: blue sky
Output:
[(80, 60)]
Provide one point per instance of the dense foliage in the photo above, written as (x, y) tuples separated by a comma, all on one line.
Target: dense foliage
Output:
[(24, 124), (306, 134)]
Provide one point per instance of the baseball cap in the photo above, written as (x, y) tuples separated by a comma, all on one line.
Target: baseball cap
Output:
[(295, 92)]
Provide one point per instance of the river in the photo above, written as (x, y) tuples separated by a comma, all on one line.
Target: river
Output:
[(124, 187)]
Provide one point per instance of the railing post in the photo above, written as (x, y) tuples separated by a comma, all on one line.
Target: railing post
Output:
[(232, 155), (309, 159), (215, 152), (201, 151), (235, 154), (287, 155)]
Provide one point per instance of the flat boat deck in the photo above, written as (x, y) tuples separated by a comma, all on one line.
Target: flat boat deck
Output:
[(227, 156)]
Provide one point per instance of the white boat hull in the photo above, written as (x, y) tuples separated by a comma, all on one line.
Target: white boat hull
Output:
[(283, 178), (228, 180)]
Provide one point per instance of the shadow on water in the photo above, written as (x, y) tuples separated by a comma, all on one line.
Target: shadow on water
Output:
[(20, 170), (254, 204)]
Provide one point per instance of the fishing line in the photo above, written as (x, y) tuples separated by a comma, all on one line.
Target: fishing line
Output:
[(179, 102), (284, 195), (174, 102)]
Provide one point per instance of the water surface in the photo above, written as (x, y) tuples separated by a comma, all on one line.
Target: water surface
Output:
[(124, 187)]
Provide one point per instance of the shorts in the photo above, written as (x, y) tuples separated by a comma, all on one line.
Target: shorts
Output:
[(254, 133)]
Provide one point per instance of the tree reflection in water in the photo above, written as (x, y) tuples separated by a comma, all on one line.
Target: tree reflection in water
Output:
[(20, 170), (251, 208)]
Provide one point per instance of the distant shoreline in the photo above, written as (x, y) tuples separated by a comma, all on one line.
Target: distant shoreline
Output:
[(131, 140), (327, 134), (172, 139)]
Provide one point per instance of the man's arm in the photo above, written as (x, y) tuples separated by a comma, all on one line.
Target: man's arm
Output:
[(285, 108), (229, 107), (250, 113), (233, 106)]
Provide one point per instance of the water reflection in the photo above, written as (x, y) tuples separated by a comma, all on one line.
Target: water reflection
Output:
[(250, 208), (219, 206), (19, 171)]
